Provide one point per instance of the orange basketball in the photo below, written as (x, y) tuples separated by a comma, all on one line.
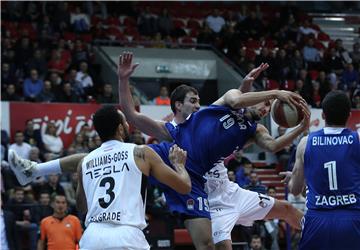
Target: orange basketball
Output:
[(284, 115)]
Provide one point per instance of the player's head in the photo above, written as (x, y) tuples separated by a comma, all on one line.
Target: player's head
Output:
[(336, 108), (185, 100), (110, 123), (260, 110)]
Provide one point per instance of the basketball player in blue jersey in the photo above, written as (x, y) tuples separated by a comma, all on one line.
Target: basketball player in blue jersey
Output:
[(204, 135), (328, 164)]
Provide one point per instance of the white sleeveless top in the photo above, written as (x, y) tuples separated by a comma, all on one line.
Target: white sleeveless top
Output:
[(114, 186)]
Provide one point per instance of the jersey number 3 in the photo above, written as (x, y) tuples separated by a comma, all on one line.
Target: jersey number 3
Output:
[(331, 166), (109, 191)]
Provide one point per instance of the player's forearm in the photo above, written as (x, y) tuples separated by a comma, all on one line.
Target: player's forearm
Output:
[(238, 100), (286, 139), (126, 100), (184, 178)]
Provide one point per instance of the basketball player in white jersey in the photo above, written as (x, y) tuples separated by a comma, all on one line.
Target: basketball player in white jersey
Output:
[(112, 185)]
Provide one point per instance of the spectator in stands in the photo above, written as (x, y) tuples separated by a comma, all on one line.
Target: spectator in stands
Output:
[(107, 95), (355, 55), (147, 22), (94, 142), (306, 30), (35, 154), (296, 63), (256, 243), (33, 86), (61, 17), (79, 20), (25, 223), (43, 209), (356, 99), (163, 98), (9, 237), (76, 85), (252, 26), (215, 21), (342, 52), (84, 78), (205, 35), (283, 155), (67, 94), (52, 142), (56, 82), (39, 63), (350, 78), (165, 24), (32, 135), (280, 66), (21, 148), (334, 63), (80, 144), (63, 51), (255, 184), (311, 55), (53, 186), (8, 75), (324, 84), (59, 231), (47, 94), (10, 94), (46, 25), (57, 64), (70, 190), (79, 53), (23, 52)]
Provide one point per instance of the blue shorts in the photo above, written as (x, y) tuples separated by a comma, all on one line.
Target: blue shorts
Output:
[(331, 230), (192, 205)]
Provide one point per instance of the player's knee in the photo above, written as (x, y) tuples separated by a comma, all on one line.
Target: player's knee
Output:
[(207, 243), (222, 245)]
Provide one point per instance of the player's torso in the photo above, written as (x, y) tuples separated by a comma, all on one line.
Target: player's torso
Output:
[(212, 134), (115, 187), (332, 170)]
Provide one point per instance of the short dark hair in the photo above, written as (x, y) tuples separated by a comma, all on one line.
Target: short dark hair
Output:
[(106, 120), (179, 94), (336, 107)]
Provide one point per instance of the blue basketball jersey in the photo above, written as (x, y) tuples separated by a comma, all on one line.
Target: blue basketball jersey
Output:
[(208, 136), (332, 170)]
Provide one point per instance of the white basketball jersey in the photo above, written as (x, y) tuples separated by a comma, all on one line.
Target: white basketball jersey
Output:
[(114, 186)]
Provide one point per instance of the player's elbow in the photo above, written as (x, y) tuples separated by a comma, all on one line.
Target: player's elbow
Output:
[(295, 189)]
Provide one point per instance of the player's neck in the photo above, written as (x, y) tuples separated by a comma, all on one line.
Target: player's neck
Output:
[(178, 119)]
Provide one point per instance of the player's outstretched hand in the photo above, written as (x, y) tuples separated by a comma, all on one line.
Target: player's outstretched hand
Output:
[(286, 176), (305, 123), (177, 156), (290, 97), (125, 67), (253, 74)]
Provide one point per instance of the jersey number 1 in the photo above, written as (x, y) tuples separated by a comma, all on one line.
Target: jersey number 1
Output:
[(109, 191), (331, 166)]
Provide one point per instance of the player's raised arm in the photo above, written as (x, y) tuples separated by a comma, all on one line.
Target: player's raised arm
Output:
[(149, 161), (142, 122), (297, 181), (251, 77), (236, 100)]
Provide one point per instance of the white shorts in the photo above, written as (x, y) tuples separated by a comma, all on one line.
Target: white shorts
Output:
[(241, 207), (110, 237)]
